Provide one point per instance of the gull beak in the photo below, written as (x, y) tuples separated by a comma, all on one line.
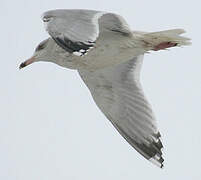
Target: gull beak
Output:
[(27, 62)]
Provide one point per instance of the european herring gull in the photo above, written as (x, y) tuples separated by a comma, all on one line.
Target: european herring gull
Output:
[(108, 56)]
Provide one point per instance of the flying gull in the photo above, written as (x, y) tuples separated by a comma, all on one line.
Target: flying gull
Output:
[(108, 55)]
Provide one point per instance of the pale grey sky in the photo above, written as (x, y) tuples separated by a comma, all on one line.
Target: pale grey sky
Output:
[(50, 128)]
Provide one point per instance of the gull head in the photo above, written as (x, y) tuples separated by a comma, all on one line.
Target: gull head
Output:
[(42, 52)]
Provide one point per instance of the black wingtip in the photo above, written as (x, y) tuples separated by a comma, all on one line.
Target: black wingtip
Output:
[(157, 160)]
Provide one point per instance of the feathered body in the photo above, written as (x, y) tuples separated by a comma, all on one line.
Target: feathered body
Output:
[(108, 56)]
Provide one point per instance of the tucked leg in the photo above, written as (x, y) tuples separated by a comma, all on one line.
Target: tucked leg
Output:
[(164, 45)]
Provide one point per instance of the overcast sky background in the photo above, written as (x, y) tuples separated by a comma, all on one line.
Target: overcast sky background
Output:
[(50, 128)]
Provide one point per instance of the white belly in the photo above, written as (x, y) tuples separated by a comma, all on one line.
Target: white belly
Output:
[(111, 51), (107, 51)]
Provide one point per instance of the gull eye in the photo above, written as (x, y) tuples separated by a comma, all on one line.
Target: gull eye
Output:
[(46, 18), (41, 46)]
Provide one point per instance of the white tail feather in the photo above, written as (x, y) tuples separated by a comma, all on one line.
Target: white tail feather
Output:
[(153, 39)]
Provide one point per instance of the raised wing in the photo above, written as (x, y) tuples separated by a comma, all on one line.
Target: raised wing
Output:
[(77, 30), (118, 93)]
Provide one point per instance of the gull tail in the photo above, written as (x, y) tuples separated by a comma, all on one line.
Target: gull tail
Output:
[(163, 39)]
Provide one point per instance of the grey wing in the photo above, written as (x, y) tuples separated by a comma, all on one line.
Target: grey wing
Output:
[(118, 93), (78, 30)]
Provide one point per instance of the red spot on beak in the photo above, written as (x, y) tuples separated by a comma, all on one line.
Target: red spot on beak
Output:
[(27, 62)]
